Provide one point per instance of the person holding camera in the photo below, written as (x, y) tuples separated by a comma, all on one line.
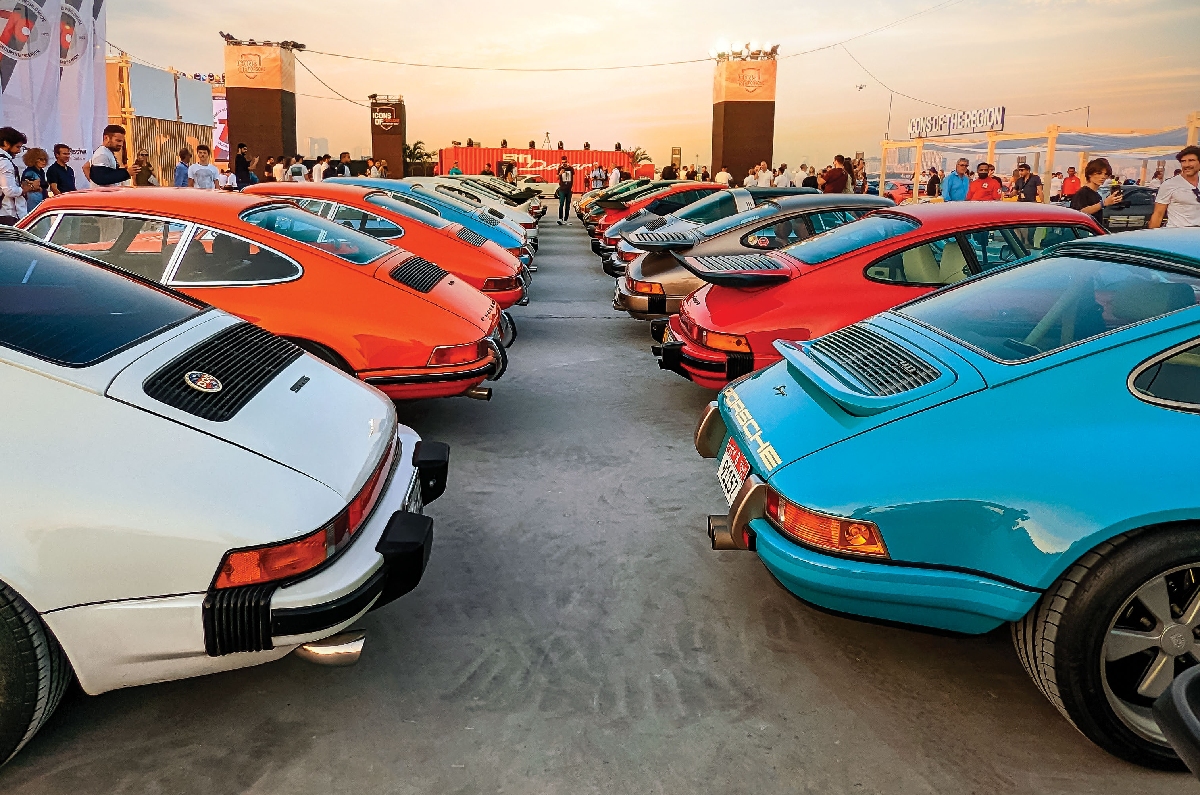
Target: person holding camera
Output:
[(566, 181), (1087, 199)]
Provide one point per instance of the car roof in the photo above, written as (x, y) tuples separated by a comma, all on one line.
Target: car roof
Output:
[(810, 200), (310, 190), (1171, 243), (772, 192), (988, 212), (187, 203)]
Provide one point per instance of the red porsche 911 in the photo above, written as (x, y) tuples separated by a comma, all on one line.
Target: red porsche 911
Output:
[(728, 327)]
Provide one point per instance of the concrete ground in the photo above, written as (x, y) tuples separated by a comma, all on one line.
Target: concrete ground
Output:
[(574, 633)]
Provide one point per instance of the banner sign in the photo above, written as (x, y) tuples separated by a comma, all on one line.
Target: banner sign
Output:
[(259, 66), (82, 100), (532, 162), (960, 122), (220, 128), (745, 81), (30, 54)]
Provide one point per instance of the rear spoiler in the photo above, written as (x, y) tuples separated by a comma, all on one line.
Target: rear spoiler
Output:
[(611, 204), (735, 270), (658, 243)]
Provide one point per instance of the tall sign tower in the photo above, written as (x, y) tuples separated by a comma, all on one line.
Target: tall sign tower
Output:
[(743, 131), (260, 93), (389, 127)]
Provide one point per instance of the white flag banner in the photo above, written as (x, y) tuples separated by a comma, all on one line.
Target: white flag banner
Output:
[(29, 68), (81, 61)]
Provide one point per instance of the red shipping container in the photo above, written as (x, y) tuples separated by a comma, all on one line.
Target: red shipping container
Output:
[(529, 162)]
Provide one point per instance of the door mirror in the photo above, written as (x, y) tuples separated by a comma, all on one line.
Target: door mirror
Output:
[(1178, 714)]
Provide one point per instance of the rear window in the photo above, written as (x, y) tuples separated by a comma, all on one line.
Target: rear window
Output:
[(860, 234), (1046, 305), (720, 204), (75, 313), (408, 210), (296, 224), (725, 224)]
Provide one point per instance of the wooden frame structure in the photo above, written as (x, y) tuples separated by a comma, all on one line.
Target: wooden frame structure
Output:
[(1051, 137)]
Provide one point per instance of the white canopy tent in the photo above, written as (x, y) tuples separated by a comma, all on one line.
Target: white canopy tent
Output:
[(1087, 142)]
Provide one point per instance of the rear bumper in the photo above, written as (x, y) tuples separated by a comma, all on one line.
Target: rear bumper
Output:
[(949, 600), (644, 307), (427, 382), (708, 368)]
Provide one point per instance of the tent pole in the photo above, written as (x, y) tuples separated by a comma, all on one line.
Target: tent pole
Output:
[(1051, 143), (1193, 129), (917, 169), (1142, 179), (883, 169), (991, 152), (1083, 158)]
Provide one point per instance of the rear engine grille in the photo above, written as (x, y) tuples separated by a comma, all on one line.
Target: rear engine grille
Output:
[(657, 223), (243, 358), (882, 366), (488, 219), (419, 274), (238, 619), (739, 262), (495, 213), (660, 237), (474, 238)]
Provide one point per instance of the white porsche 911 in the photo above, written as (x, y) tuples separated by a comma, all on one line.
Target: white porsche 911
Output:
[(183, 493)]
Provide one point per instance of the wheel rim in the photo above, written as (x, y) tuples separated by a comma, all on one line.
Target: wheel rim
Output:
[(1150, 640)]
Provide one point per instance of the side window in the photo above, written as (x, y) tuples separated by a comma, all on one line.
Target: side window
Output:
[(404, 197), (776, 235), (832, 219), (141, 246), (1174, 380), (41, 227), (368, 223), (215, 257), (315, 206), (932, 264), (997, 247)]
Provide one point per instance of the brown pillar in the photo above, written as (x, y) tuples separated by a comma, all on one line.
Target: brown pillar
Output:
[(389, 132), (260, 92), (743, 115)]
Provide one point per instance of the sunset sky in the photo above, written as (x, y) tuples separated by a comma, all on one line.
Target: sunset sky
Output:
[(1134, 61)]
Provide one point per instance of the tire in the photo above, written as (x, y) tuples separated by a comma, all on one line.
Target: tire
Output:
[(1073, 642), (34, 673), (327, 355)]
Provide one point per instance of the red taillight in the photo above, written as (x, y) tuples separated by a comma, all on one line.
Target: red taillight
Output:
[(819, 530), (532, 225), (628, 255), (458, 354), (498, 283), (643, 288), (292, 558)]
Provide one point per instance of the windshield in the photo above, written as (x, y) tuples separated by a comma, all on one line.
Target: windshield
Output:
[(296, 224), (72, 312), (844, 239), (407, 210), (1051, 303), (404, 198), (725, 224), (711, 208)]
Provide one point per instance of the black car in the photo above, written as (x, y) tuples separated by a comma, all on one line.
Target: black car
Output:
[(1133, 211)]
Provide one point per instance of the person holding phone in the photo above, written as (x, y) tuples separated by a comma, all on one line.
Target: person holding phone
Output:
[(1087, 199)]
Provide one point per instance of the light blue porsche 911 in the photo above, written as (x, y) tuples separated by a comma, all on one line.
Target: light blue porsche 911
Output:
[(1021, 447)]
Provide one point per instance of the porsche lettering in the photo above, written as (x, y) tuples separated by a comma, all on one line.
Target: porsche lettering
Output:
[(751, 431)]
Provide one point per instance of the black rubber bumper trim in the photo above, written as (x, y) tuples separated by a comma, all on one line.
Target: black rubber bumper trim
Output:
[(738, 364), (432, 378), (406, 544), (596, 246), (656, 304), (316, 618), (658, 329), (432, 462)]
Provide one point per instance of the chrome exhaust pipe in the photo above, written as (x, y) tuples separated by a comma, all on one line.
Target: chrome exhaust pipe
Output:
[(337, 650), (479, 393), (718, 532)]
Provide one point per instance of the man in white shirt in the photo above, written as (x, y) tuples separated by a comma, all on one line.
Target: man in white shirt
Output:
[(784, 180), (12, 193), (202, 174), (614, 177), (1179, 197), (102, 169), (723, 177), (318, 171), (279, 170), (765, 177), (1056, 183), (598, 177)]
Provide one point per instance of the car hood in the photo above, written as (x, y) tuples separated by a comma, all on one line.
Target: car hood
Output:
[(812, 399), (310, 417)]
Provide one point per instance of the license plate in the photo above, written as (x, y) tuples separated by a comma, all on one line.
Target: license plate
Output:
[(733, 471)]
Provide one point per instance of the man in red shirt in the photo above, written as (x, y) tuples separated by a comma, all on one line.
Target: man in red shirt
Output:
[(985, 188), (1071, 183)]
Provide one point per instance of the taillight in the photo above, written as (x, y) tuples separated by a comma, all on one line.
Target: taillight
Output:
[(292, 558), (458, 354), (723, 342), (643, 288), (823, 531), (532, 225), (628, 255), (498, 283)]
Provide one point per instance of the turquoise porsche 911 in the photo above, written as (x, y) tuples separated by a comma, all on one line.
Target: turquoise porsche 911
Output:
[(1020, 447)]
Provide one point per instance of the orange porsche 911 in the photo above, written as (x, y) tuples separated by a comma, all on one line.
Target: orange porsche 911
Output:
[(401, 221), (392, 318)]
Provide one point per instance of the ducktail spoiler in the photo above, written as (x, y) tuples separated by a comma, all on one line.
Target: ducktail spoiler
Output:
[(735, 270)]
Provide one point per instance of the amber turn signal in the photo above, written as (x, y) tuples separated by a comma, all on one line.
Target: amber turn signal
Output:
[(822, 531)]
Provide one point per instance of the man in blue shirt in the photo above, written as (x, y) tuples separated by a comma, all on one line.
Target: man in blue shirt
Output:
[(60, 177), (181, 168), (955, 186)]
